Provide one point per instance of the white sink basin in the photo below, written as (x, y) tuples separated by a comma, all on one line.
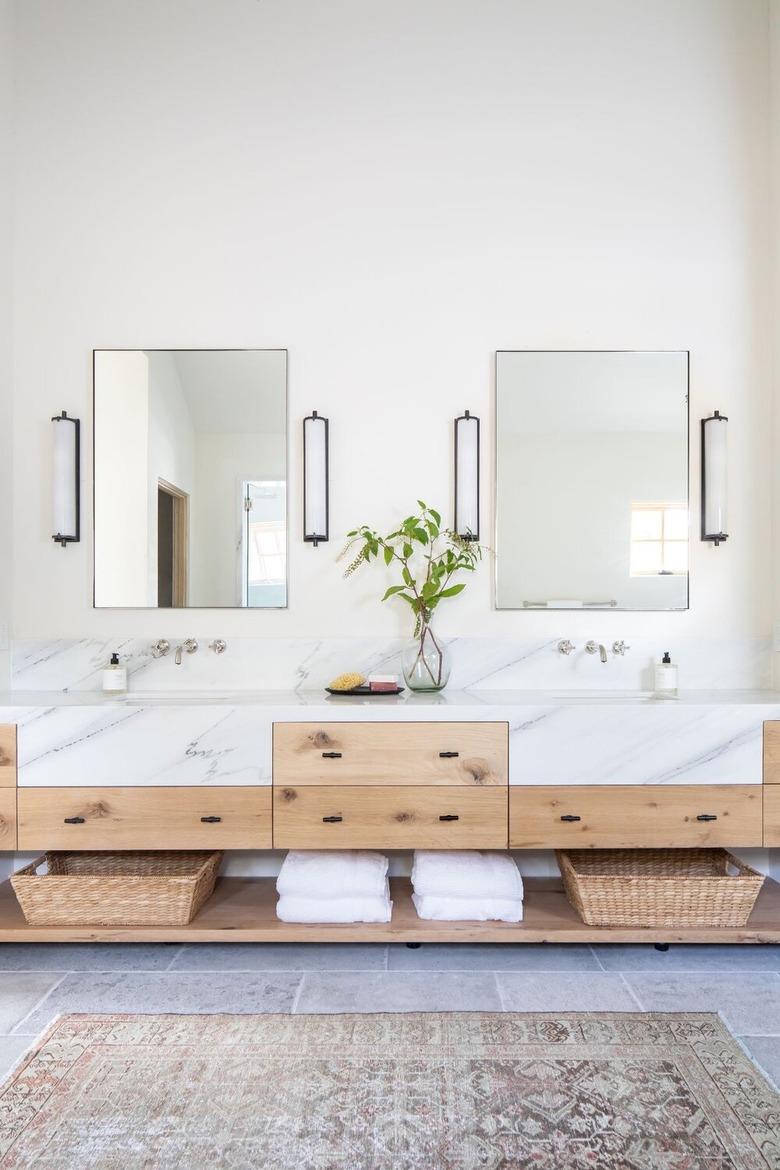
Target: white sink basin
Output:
[(606, 696)]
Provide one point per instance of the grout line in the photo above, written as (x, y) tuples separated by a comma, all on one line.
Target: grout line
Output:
[(297, 996), (592, 950), (14, 1031), (500, 992), (631, 992), (176, 955)]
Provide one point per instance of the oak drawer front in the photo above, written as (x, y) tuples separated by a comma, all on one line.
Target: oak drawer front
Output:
[(144, 818), (469, 754), (7, 818), (7, 755), (340, 817), (635, 817), (772, 816), (772, 751)]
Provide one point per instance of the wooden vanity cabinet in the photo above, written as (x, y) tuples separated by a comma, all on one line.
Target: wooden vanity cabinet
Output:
[(635, 816), (473, 755), (144, 818), (7, 755), (390, 785)]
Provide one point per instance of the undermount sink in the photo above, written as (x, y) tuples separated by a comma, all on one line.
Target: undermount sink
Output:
[(608, 696), (176, 698)]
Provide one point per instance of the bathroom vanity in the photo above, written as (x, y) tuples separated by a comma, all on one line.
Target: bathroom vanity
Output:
[(460, 771)]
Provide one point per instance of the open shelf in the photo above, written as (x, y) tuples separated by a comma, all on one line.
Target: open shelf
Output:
[(244, 910)]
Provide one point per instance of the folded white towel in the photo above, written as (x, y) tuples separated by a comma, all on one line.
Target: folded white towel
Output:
[(468, 909), (290, 908), (333, 875), (468, 874)]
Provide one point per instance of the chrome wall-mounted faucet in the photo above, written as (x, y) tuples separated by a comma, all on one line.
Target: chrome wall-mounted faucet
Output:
[(219, 645), (160, 648), (565, 646), (596, 648), (620, 647), (190, 645)]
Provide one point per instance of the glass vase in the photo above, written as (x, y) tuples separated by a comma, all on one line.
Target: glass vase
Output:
[(425, 662)]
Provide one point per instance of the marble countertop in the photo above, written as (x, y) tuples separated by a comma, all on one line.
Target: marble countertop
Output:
[(407, 700)]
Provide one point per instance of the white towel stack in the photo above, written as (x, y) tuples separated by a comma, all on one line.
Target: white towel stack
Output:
[(349, 886), (467, 886)]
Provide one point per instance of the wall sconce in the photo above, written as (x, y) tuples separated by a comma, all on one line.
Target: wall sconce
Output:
[(66, 496), (315, 479), (467, 476), (713, 478)]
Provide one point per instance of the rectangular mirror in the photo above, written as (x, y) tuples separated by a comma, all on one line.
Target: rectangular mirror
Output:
[(591, 480), (190, 464)]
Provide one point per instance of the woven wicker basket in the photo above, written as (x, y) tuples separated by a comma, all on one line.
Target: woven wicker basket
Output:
[(659, 887), (116, 889)]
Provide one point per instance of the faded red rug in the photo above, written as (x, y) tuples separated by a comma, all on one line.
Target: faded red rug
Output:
[(389, 1092)]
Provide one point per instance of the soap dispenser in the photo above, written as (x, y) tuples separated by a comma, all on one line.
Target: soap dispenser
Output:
[(115, 676), (666, 676)]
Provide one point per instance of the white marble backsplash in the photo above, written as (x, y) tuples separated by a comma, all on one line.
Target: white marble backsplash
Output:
[(309, 664)]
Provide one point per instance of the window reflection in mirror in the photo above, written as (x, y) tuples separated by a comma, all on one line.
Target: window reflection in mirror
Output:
[(190, 478), (592, 480)]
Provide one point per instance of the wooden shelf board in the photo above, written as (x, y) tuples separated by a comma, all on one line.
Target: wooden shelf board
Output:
[(244, 910)]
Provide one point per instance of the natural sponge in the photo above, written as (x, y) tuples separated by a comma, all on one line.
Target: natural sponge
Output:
[(348, 681)]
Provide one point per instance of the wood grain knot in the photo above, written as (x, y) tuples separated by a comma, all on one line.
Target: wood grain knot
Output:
[(404, 817), (289, 794), (98, 809), (320, 739), (479, 770)]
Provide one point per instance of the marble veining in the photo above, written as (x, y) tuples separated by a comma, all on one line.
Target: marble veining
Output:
[(699, 740), (308, 664)]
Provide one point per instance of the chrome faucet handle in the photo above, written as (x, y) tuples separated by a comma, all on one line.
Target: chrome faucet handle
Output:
[(592, 647), (620, 647), (219, 645), (565, 646), (190, 645), (160, 648)]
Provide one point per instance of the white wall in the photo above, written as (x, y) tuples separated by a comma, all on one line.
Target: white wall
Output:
[(393, 191), (6, 292)]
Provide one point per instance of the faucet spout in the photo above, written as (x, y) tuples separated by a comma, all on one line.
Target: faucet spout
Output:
[(599, 648), (189, 644)]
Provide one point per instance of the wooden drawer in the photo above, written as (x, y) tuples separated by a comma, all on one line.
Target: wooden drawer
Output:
[(772, 817), (471, 754), (772, 751), (144, 818), (340, 817), (7, 818), (7, 755), (637, 816)]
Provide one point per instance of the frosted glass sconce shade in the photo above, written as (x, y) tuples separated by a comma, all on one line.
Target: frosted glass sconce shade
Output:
[(714, 478), (315, 478), (66, 472), (467, 476)]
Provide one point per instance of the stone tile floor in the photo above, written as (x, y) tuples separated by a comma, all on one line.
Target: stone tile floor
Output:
[(37, 983)]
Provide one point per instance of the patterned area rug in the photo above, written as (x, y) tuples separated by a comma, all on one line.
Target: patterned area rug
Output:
[(389, 1092)]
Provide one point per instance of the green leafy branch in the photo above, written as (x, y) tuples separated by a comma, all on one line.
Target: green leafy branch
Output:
[(427, 555)]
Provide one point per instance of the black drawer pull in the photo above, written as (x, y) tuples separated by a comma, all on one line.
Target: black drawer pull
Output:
[(331, 755), (448, 755), (74, 820), (211, 820), (331, 820), (449, 817), (706, 817), (570, 817)]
